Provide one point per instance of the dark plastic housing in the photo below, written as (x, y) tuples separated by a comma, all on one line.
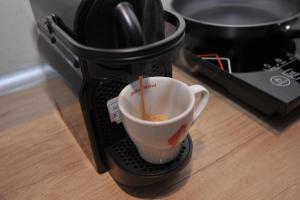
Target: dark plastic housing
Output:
[(90, 72)]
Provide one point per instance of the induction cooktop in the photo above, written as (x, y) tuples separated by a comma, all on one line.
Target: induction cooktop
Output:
[(264, 74)]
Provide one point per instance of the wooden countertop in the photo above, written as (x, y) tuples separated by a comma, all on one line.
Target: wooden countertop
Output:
[(238, 154)]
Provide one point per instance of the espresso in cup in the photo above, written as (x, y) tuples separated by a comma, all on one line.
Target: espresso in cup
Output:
[(144, 114), (158, 142)]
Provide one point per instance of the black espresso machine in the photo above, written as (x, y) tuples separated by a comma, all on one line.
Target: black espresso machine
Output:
[(97, 47)]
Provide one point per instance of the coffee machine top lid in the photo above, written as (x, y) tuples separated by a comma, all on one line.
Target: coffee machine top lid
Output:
[(96, 24), (92, 38), (112, 24)]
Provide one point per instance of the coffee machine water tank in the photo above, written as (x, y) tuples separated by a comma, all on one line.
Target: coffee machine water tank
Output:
[(96, 48)]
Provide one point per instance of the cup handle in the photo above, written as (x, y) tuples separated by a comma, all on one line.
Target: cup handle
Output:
[(198, 89)]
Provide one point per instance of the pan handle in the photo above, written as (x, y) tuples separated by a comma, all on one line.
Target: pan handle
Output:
[(293, 34), (289, 30)]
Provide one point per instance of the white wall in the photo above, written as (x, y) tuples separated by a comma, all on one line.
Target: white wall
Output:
[(17, 35)]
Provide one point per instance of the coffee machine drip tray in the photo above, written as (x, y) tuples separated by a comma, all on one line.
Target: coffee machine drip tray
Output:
[(264, 74), (123, 156)]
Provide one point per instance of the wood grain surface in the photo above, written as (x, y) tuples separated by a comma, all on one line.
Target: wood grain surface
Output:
[(238, 154)]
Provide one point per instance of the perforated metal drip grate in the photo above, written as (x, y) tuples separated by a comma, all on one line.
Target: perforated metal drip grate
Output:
[(107, 90), (125, 153), (156, 70)]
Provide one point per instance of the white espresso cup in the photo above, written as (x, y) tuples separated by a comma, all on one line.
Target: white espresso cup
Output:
[(159, 142)]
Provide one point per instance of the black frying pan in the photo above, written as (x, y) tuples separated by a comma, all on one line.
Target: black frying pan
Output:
[(239, 19)]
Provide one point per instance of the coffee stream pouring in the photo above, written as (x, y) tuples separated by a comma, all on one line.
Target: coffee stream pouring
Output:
[(144, 114)]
